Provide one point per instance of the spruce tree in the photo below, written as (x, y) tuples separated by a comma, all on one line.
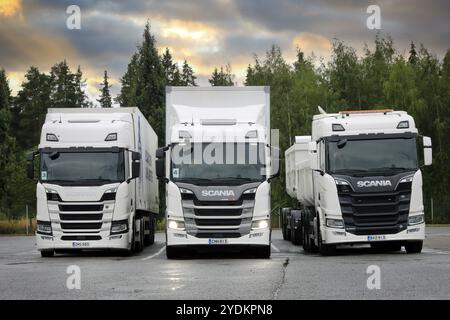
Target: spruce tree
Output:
[(105, 96), (187, 75)]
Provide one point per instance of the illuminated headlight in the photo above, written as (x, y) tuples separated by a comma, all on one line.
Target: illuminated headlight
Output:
[(335, 223), (119, 227), (185, 191), (44, 227), (174, 224), (415, 219), (260, 224)]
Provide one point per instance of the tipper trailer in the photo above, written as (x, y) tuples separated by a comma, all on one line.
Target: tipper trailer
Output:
[(356, 179), (97, 185)]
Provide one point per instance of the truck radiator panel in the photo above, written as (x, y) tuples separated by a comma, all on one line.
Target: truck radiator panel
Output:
[(376, 213)]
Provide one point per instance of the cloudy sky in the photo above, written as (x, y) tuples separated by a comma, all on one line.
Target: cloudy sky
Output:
[(206, 33)]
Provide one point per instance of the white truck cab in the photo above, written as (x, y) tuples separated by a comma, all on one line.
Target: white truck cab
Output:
[(96, 184), (217, 168), (357, 180)]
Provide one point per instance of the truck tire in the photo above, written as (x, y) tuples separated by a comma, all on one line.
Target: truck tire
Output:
[(263, 252), (172, 252), (287, 231), (323, 248), (138, 236), (304, 233), (414, 246), (47, 253), (149, 239), (296, 234)]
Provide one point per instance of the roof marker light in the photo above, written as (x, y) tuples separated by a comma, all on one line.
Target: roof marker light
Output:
[(111, 137), (51, 137), (403, 125), (183, 134), (337, 127), (252, 134)]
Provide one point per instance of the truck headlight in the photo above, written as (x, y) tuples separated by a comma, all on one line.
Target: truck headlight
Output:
[(415, 219), (335, 223), (120, 226), (343, 186), (174, 224), (44, 227), (260, 224)]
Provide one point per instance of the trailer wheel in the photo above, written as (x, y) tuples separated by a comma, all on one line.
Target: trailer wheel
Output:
[(414, 246), (287, 234), (138, 237), (47, 253), (149, 239), (304, 232), (296, 234)]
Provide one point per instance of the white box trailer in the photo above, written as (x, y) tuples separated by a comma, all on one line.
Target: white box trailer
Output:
[(356, 179), (217, 168), (97, 185)]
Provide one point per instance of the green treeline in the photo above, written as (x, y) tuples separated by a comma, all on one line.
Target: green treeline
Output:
[(418, 83)]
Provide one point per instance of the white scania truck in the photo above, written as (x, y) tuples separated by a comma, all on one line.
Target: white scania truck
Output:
[(356, 180), (217, 168), (97, 185)]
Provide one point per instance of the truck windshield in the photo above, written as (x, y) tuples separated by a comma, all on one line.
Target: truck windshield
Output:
[(372, 156), (82, 168), (223, 163)]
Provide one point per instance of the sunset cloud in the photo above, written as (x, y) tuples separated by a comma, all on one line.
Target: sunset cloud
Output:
[(9, 8), (207, 33)]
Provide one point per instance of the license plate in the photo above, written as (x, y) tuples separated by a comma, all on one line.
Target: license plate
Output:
[(80, 244), (218, 241), (376, 238)]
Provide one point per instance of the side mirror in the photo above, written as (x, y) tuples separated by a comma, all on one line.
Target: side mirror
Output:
[(135, 165), (161, 168), (30, 165), (275, 162), (161, 152), (427, 151)]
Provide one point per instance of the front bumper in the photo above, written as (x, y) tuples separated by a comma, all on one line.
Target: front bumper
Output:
[(340, 236), (116, 242), (259, 237)]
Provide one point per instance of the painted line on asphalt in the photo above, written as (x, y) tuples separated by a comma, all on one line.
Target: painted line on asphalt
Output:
[(274, 248), (155, 254)]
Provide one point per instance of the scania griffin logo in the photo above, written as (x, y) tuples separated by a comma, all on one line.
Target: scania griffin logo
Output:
[(374, 183), (218, 193)]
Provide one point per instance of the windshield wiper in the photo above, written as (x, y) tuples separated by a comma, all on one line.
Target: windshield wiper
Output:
[(235, 178)]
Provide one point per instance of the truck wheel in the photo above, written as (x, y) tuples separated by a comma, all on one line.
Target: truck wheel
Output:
[(172, 252), (149, 239), (263, 252), (296, 235), (47, 253), (414, 246), (305, 233), (139, 236), (284, 229)]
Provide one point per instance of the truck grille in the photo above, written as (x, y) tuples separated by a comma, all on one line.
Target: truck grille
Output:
[(376, 213), (79, 219), (218, 219)]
